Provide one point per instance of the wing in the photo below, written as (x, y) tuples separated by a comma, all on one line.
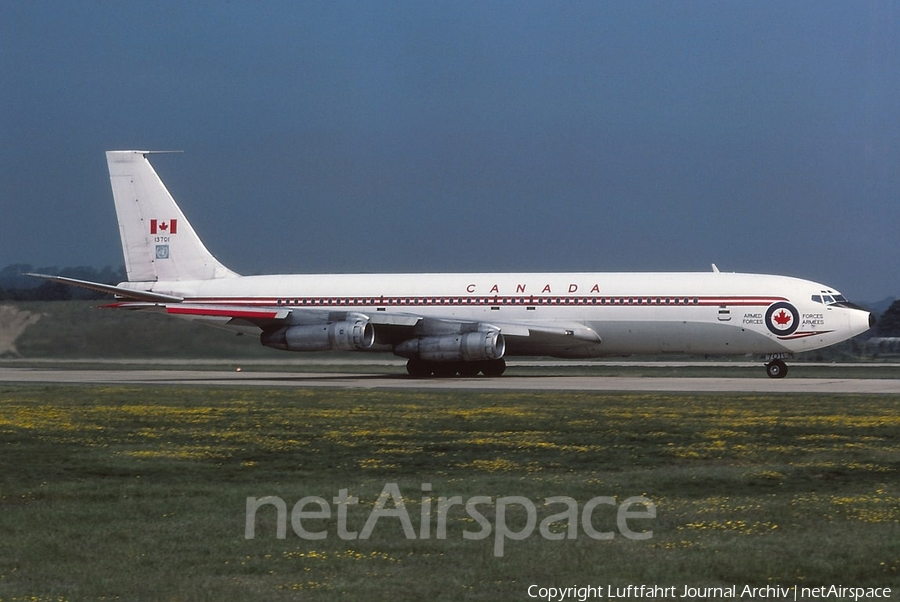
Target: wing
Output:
[(404, 324), (558, 339)]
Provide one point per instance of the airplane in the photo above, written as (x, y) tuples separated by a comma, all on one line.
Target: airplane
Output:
[(462, 323)]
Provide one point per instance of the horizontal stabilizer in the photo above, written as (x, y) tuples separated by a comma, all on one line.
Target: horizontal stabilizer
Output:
[(111, 289)]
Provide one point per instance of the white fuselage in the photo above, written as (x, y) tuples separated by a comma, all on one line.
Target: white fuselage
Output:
[(697, 313)]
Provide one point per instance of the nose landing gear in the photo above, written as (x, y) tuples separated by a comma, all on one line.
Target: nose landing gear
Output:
[(776, 369)]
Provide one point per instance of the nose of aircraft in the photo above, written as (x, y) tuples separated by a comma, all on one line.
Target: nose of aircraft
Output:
[(859, 321), (870, 317)]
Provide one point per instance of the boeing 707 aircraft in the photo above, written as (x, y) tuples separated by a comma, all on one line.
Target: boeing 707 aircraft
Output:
[(448, 324)]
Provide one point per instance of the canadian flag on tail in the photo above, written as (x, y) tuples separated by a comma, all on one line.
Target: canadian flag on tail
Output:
[(164, 227)]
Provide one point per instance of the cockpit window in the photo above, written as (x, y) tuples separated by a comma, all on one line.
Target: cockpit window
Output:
[(832, 299)]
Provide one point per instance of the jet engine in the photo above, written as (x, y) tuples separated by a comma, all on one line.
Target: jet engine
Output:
[(331, 336), (467, 346)]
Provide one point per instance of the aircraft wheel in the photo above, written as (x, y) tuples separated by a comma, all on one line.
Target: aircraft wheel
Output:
[(776, 369), (469, 369), (418, 368), (493, 368), (445, 369)]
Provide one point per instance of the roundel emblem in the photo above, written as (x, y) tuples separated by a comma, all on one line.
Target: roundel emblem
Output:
[(782, 318)]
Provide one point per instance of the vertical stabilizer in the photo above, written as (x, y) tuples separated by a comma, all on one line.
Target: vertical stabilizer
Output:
[(158, 242)]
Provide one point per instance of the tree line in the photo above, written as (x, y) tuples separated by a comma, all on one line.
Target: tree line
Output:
[(889, 322)]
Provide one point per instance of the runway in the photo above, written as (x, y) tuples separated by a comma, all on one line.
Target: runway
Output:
[(250, 378)]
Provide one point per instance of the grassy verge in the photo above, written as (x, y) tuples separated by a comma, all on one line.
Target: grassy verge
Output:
[(140, 493)]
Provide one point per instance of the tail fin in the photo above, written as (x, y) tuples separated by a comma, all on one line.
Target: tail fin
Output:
[(157, 240)]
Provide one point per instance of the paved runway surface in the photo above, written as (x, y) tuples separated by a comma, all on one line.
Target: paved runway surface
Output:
[(506, 383)]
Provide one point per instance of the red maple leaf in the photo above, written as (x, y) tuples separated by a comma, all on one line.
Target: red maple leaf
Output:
[(164, 226), (782, 318)]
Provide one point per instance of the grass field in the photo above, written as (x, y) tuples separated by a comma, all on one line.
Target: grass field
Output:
[(114, 493)]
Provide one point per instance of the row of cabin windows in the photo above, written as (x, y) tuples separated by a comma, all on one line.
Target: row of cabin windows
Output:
[(356, 301)]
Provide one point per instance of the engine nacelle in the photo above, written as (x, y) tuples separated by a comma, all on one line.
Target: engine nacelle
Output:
[(333, 336), (467, 346)]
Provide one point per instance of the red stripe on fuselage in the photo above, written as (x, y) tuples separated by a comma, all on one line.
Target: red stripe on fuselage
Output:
[(225, 313)]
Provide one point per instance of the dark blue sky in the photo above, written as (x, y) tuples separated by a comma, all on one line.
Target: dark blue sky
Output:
[(466, 136)]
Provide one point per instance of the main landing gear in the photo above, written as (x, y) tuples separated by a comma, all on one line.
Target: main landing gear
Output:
[(776, 369), (423, 368)]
